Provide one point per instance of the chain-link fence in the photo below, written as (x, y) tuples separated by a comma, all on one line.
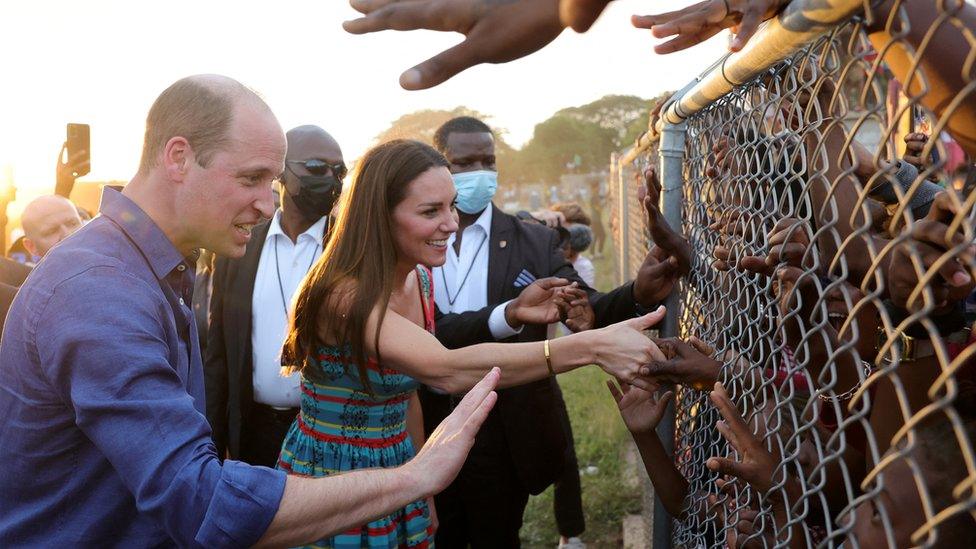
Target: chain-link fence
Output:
[(827, 192)]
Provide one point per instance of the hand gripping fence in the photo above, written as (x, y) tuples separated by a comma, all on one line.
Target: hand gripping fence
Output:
[(824, 179)]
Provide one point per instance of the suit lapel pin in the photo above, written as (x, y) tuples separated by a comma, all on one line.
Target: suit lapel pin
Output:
[(502, 243)]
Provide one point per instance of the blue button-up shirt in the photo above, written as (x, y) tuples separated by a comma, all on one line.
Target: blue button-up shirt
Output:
[(103, 435)]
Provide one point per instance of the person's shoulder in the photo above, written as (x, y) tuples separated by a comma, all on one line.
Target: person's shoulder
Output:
[(539, 233), (95, 260), (13, 273)]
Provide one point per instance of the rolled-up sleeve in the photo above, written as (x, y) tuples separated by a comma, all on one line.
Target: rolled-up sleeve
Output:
[(105, 354), (241, 486)]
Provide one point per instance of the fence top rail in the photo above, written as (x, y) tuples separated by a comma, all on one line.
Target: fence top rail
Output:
[(799, 24)]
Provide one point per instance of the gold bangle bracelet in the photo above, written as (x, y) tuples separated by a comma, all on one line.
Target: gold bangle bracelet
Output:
[(548, 358)]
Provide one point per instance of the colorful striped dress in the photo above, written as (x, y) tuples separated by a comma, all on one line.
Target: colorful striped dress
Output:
[(342, 427)]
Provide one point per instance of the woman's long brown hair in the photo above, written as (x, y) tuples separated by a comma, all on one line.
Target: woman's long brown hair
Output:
[(361, 251)]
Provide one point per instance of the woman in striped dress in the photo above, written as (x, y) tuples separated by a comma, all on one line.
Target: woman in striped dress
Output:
[(343, 427), (361, 335)]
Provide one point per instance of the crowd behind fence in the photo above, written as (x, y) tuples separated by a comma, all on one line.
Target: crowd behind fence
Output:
[(829, 203)]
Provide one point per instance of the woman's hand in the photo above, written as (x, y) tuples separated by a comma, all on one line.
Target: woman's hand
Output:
[(623, 351)]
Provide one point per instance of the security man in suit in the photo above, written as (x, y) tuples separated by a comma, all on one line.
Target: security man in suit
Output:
[(7, 294), (12, 275), (491, 259), (250, 405)]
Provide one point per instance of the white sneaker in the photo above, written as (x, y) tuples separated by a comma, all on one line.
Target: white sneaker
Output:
[(572, 543)]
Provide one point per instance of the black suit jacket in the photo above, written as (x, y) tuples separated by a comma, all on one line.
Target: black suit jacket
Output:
[(13, 273), (7, 293), (228, 368), (528, 413)]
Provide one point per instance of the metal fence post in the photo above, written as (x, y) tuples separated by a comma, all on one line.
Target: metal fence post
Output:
[(671, 150), (623, 257)]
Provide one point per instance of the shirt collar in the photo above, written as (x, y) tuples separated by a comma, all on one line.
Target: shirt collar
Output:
[(484, 220), (316, 231), (154, 245)]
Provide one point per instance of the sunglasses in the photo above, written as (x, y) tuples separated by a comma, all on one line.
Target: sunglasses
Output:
[(318, 167)]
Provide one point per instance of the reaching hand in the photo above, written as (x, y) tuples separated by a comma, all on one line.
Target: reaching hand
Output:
[(536, 304), (788, 243), (641, 410), (930, 239), (446, 449), (661, 233), (703, 20), (655, 277), (732, 227), (720, 164), (622, 349), (688, 363), (668, 259), (755, 464), (580, 14), (67, 170), (575, 310), (495, 32), (914, 145)]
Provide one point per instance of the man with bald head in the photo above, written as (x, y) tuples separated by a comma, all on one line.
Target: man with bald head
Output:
[(104, 440), (48, 220), (250, 405)]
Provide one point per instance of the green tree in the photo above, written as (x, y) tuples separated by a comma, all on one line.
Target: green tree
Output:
[(564, 144), (421, 125), (625, 115)]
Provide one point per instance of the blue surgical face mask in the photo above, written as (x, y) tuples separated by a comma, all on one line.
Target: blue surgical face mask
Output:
[(475, 190)]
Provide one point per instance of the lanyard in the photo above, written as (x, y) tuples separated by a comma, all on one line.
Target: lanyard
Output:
[(451, 300), (281, 287)]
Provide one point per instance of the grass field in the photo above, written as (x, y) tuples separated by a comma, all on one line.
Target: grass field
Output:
[(600, 441)]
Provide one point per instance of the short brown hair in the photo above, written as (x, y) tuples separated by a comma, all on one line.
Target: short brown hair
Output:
[(196, 110)]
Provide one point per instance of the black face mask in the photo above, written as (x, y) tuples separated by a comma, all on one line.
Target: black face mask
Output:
[(316, 195)]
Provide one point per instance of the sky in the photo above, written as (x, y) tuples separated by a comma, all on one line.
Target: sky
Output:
[(103, 62)]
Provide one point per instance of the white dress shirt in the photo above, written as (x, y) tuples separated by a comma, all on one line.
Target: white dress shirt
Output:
[(461, 285), (584, 268), (281, 268)]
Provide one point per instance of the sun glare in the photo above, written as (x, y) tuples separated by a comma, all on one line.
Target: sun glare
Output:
[(102, 64)]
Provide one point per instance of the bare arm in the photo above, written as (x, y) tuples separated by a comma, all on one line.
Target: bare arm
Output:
[(642, 412), (315, 508), (668, 483), (621, 349)]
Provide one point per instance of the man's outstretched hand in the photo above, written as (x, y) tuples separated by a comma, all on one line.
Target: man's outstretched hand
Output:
[(499, 31), (581, 14), (668, 259), (441, 457), (496, 31), (705, 19)]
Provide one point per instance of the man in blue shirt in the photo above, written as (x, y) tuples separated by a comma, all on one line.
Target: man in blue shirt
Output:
[(104, 440)]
